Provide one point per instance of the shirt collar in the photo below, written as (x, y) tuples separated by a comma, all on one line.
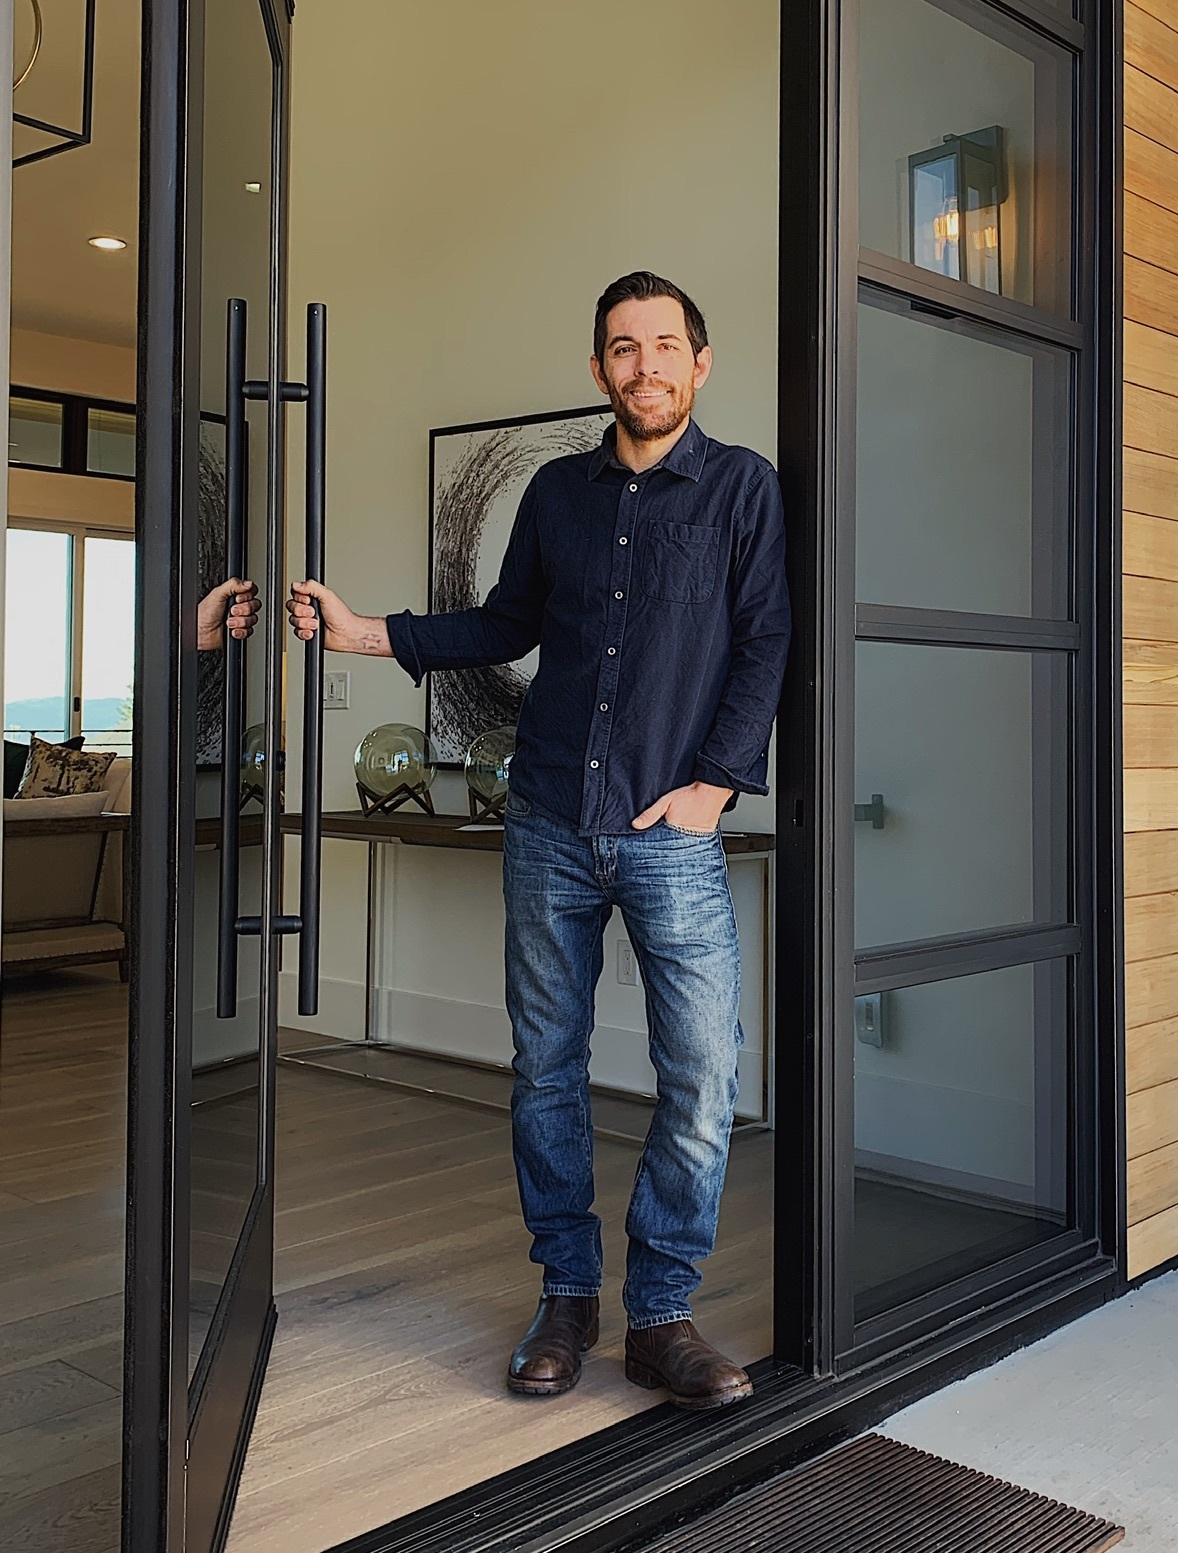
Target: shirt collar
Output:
[(685, 458)]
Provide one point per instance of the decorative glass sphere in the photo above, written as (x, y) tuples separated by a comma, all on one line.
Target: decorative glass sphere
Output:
[(488, 762), (253, 756), (392, 756)]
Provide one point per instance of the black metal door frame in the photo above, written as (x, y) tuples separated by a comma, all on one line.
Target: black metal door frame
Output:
[(184, 1447)]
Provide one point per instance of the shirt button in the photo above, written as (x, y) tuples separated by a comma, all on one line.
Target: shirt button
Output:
[(619, 595), (593, 765), (633, 487), (605, 706), (623, 540), (613, 652)]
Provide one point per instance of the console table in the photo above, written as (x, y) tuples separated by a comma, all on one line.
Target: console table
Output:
[(458, 833)]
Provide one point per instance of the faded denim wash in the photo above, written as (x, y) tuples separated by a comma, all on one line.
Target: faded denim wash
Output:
[(672, 890)]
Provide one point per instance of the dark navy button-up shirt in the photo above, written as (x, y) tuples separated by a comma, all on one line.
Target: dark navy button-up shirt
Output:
[(659, 604)]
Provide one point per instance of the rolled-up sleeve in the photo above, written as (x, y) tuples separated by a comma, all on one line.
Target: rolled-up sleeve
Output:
[(736, 751), (504, 628)]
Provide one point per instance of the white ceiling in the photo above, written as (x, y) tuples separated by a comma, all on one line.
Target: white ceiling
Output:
[(60, 285)]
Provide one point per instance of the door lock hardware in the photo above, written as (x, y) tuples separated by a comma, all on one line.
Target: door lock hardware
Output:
[(873, 811)]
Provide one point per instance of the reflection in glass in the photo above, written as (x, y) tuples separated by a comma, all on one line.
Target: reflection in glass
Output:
[(235, 262), (962, 480), (933, 177), (960, 1129), (955, 200), (37, 609), (110, 442), (34, 433), (968, 749)]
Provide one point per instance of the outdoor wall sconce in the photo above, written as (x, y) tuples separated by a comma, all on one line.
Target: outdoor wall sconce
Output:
[(63, 139), (873, 811), (955, 196)]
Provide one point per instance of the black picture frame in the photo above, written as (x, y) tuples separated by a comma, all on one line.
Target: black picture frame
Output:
[(474, 469)]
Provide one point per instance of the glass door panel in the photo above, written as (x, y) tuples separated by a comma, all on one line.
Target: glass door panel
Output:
[(962, 450), (960, 945), (235, 265), (960, 1128), (961, 745)]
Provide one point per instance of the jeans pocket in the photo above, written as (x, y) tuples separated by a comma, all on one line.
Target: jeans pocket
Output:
[(517, 808), (679, 562), (699, 835)]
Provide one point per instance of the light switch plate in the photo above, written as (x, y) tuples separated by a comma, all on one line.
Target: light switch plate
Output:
[(337, 690), (627, 967)]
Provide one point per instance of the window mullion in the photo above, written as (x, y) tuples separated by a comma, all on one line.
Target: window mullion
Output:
[(76, 596)]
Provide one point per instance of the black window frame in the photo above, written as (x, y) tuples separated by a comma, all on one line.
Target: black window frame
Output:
[(75, 431)]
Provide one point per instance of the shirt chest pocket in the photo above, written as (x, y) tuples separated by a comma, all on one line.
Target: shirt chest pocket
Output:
[(680, 561)]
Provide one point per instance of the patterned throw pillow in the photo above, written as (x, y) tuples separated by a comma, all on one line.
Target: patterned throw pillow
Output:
[(54, 771)]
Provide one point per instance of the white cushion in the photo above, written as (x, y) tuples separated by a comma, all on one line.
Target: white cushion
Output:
[(65, 808), (118, 785)]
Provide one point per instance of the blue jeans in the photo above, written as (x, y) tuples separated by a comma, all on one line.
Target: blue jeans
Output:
[(672, 890)]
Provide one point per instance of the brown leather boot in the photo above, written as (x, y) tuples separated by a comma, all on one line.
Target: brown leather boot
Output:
[(548, 1359), (676, 1356)]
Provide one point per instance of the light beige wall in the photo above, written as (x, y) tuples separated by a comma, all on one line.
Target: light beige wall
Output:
[(463, 186), (71, 367)]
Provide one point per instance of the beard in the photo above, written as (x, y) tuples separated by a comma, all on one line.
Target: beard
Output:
[(649, 423)]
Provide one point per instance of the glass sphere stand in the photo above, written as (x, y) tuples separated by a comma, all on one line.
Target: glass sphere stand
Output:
[(384, 803), (484, 809)]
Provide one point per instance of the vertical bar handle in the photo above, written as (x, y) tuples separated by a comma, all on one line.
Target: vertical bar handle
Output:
[(231, 731), (312, 820)]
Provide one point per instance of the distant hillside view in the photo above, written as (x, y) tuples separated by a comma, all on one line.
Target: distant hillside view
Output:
[(44, 715)]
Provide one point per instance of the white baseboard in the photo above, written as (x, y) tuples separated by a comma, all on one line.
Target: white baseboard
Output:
[(218, 1040), (953, 1134), (481, 1033)]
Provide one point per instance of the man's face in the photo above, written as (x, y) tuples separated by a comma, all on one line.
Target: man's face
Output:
[(648, 370)]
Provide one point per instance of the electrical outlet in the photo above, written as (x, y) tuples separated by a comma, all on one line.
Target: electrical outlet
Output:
[(869, 1020), (337, 690), (627, 966)]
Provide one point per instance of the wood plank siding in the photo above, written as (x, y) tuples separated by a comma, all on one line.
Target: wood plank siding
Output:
[(1150, 598)]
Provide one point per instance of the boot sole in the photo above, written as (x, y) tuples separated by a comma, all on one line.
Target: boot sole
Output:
[(550, 1388), (650, 1380)]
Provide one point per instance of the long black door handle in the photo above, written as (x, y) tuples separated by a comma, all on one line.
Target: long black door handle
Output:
[(231, 731), (310, 883)]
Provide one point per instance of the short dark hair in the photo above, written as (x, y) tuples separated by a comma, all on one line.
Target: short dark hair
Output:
[(641, 286)]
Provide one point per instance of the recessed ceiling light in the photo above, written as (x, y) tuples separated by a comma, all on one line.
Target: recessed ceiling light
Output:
[(253, 188), (107, 244)]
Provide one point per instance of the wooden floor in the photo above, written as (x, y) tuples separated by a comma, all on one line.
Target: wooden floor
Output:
[(403, 1281), (63, 1078)]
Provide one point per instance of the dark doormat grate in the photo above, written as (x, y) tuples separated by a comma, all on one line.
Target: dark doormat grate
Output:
[(877, 1496)]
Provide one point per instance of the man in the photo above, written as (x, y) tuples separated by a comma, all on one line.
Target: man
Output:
[(650, 572)]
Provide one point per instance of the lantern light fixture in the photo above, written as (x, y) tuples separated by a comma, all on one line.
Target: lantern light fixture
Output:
[(955, 196)]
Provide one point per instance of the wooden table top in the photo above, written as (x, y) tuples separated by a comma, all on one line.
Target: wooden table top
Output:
[(414, 828)]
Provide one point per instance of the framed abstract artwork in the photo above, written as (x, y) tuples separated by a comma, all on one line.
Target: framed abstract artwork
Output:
[(477, 476), (211, 564)]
